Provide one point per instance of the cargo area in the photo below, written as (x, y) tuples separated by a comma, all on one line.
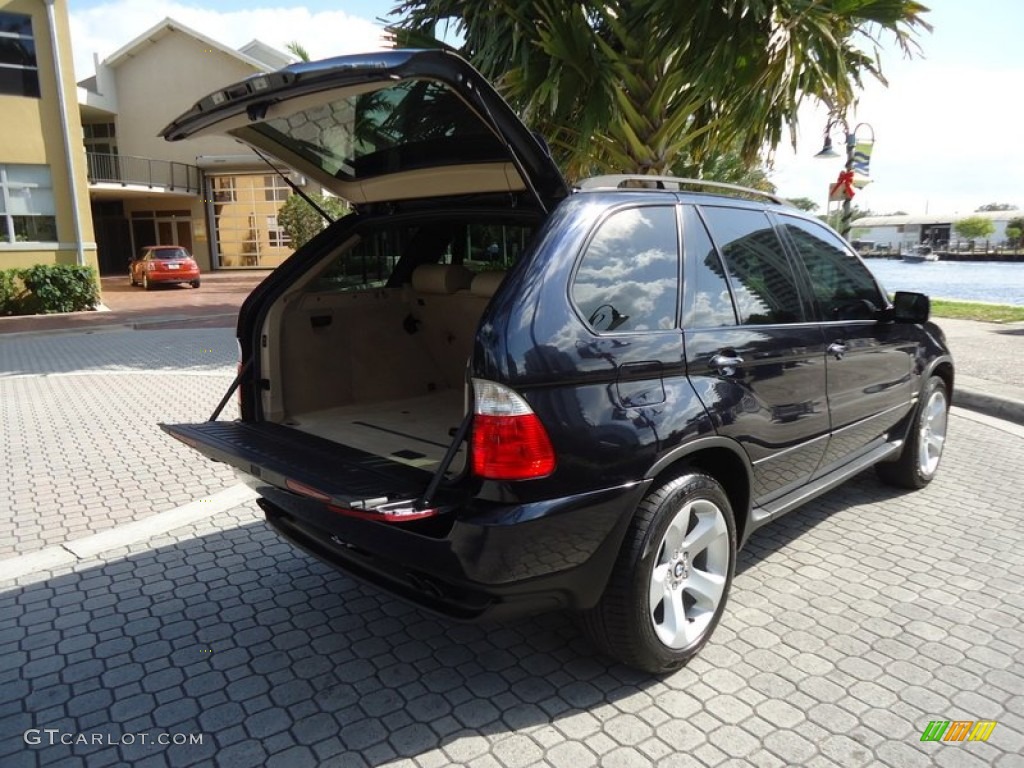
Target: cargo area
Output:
[(363, 366), (381, 370)]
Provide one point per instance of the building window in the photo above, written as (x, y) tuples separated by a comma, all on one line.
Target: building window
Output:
[(275, 233), (223, 189), (27, 212), (101, 138), (275, 188), (19, 73), (246, 229)]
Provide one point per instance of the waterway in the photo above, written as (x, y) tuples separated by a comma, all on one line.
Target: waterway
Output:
[(991, 281)]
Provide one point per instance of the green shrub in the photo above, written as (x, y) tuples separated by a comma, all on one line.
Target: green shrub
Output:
[(9, 292), (58, 288)]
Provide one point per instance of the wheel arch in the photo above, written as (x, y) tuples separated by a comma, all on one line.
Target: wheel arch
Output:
[(943, 368), (720, 458)]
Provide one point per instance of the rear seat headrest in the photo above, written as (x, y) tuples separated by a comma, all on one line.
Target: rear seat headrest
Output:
[(441, 278), (486, 283)]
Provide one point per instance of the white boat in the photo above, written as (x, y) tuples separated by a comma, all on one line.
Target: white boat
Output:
[(921, 253)]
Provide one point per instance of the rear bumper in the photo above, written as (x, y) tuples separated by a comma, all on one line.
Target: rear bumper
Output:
[(184, 276), (492, 561)]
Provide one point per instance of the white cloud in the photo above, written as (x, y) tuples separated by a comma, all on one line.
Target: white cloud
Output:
[(106, 28)]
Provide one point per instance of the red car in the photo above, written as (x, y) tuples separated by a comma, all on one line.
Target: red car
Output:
[(163, 264)]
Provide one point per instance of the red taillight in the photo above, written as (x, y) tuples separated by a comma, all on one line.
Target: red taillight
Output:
[(509, 442)]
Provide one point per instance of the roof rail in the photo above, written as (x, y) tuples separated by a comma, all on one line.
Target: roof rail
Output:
[(640, 181)]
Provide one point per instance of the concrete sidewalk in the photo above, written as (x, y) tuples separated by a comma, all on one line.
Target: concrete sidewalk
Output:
[(989, 360)]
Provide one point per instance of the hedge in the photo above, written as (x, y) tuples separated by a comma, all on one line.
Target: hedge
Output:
[(48, 288)]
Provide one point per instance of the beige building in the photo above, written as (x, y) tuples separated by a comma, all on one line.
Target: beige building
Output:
[(209, 194), (44, 204)]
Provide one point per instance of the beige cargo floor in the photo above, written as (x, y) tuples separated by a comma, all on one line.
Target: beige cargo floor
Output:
[(415, 431)]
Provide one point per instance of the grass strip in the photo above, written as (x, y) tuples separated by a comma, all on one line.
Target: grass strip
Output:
[(973, 310)]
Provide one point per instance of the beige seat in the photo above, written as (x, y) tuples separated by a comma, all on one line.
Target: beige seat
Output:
[(448, 300)]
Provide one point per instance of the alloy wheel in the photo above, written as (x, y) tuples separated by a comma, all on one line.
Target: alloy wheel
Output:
[(932, 434), (689, 575)]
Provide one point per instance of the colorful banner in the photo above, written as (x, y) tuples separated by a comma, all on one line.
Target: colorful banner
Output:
[(861, 163)]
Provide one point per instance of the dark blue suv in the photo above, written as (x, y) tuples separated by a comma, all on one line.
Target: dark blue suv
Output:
[(493, 394)]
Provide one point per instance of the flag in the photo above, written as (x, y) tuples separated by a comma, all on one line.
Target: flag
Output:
[(861, 163)]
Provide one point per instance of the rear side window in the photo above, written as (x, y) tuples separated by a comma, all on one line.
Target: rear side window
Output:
[(844, 288), (758, 270), (710, 304), (628, 279)]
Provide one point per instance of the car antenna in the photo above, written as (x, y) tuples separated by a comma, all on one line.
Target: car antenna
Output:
[(295, 187)]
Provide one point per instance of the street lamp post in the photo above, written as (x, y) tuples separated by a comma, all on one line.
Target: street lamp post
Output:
[(845, 181)]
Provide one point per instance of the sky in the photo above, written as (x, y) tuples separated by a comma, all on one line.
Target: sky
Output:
[(945, 129)]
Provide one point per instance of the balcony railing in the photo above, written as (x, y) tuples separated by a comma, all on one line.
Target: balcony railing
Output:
[(142, 171)]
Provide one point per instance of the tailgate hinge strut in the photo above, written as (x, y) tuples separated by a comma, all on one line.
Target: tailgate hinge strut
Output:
[(231, 390), (460, 434)]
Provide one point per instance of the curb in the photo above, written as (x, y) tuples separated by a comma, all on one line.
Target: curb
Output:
[(123, 325), (1007, 408), (75, 551)]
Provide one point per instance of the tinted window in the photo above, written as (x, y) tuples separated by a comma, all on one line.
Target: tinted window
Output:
[(710, 304), (841, 283), (388, 256), (27, 208), (415, 123), (629, 277), (759, 273), (19, 74), (170, 253)]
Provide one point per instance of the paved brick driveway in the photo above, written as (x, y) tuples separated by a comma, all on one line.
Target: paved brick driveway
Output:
[(852, 624), (80, 450)]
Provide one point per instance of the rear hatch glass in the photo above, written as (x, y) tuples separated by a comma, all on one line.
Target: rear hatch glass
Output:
[(384, 127)]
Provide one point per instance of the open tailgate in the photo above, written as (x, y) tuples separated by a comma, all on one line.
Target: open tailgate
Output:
[(308, 465)]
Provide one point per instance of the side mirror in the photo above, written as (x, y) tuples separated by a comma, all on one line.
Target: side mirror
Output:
[(909, 307)]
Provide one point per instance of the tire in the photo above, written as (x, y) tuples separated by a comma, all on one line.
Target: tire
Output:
[(195, 283), (146, 285), (665, 597), (131, 278), (919, 459)]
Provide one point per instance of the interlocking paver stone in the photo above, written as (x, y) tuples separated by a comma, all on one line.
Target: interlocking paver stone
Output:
[(853, 622)]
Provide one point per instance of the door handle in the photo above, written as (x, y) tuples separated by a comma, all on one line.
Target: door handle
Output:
[(837, 349), (726, 364)]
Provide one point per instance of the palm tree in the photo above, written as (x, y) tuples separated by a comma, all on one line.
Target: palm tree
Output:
[(643, 85), (298, 50)]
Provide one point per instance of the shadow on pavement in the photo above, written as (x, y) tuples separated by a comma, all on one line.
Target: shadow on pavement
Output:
[(865, 488), (265, 651)]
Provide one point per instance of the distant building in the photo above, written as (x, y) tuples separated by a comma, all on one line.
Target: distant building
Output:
[(44, 204), (209, 194), (901, 233)]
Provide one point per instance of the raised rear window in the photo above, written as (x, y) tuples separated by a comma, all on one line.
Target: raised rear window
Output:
[(414, 124)]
